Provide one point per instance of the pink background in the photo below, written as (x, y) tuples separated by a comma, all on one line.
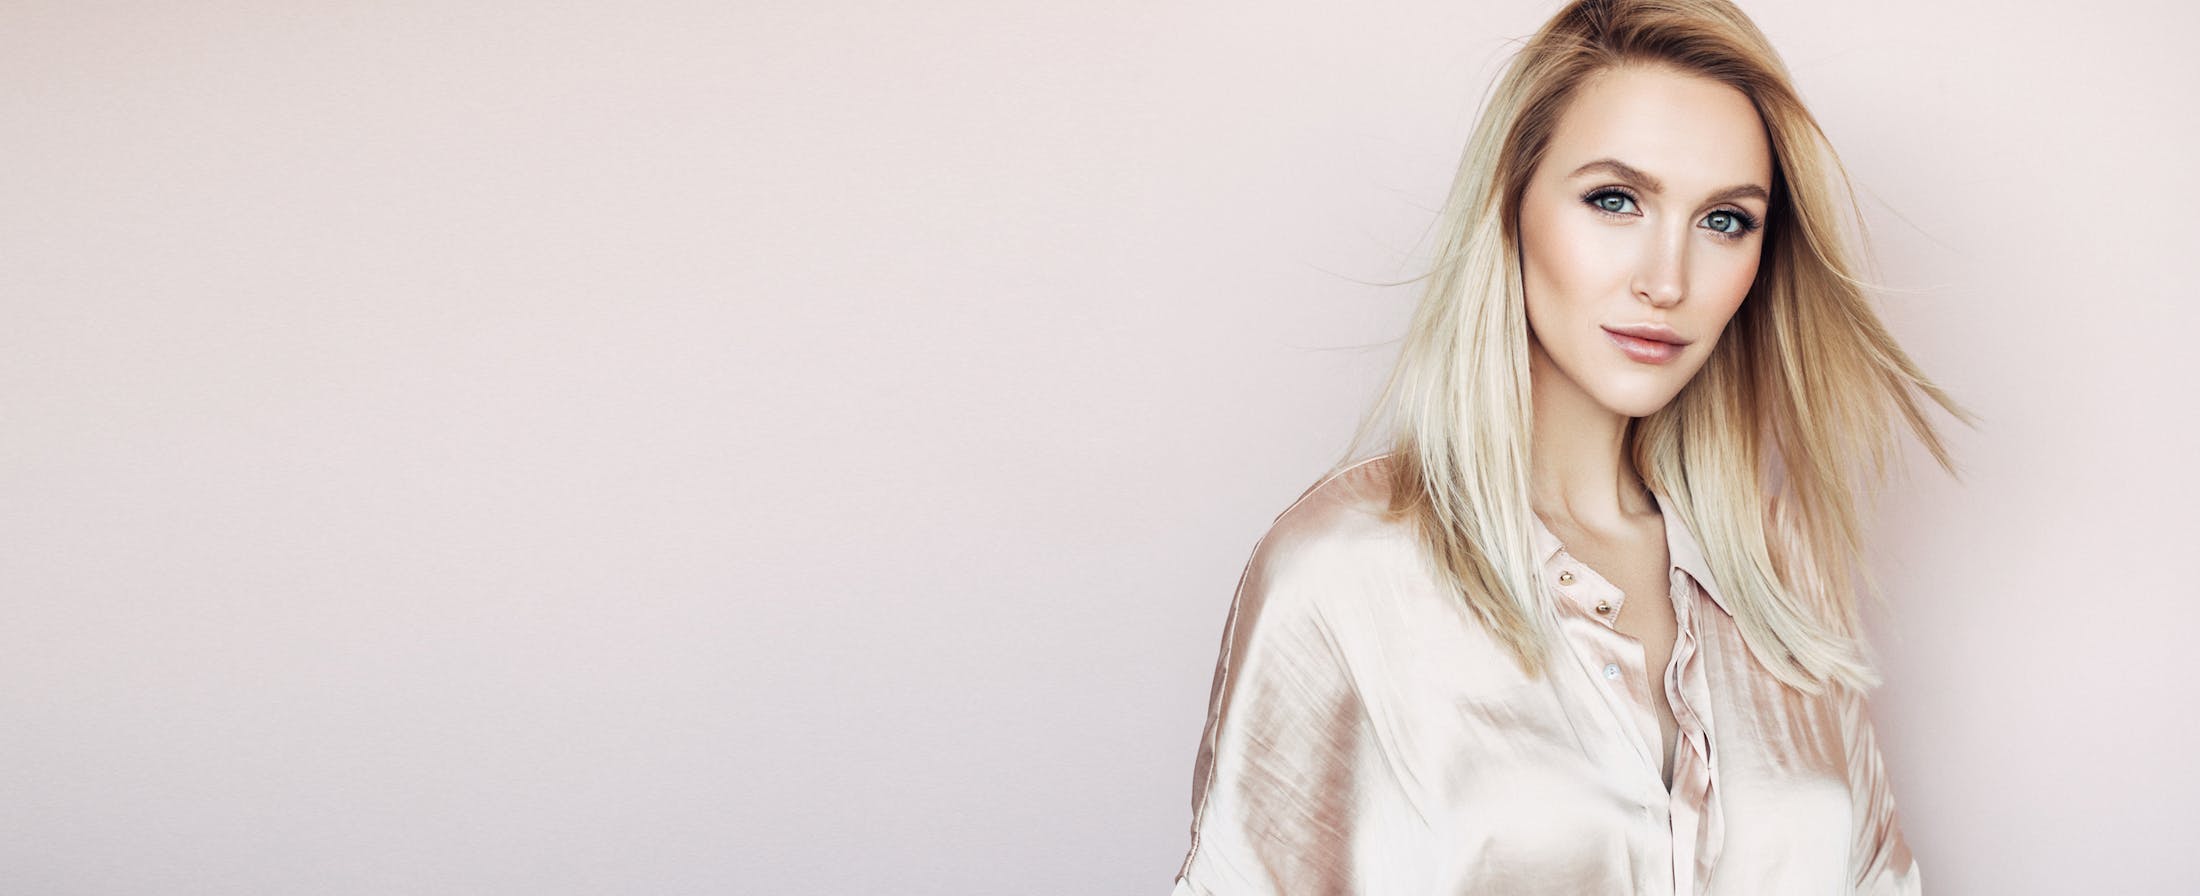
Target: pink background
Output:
[(700, 448)]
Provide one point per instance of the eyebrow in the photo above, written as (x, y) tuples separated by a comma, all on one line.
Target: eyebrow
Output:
[(1631, 173)]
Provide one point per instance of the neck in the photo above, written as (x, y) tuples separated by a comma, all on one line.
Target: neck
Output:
[(1579, 472)]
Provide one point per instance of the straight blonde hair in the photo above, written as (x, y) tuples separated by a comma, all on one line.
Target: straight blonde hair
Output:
[(1757, 454)]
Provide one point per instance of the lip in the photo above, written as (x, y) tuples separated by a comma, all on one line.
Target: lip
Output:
[(1652, 332), (1647, 351)]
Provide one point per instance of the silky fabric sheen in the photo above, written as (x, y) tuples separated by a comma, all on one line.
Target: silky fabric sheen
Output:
[(1366, 734)]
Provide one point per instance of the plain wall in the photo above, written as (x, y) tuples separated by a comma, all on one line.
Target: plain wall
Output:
[(658, 448)]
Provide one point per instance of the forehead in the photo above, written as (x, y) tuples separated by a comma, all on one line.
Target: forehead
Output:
[(1694, 134)]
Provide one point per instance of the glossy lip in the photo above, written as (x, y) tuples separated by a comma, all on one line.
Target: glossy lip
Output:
[(1646, 351), (1652, 332)]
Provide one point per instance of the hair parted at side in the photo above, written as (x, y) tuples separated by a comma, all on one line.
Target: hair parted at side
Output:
[(1758, 454)]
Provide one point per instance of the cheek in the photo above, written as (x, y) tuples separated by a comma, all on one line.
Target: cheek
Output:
[(1728, 284), (1560, 259)]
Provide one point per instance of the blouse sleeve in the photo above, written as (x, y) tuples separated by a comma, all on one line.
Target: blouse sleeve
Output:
[(1274, 791), (1880, 863)]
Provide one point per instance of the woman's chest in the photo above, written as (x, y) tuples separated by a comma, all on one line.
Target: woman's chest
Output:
[(1561, 773)]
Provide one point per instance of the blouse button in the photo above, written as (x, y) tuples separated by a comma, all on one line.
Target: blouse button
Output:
[(1611, 671), (1604, 607), (1566, 577)]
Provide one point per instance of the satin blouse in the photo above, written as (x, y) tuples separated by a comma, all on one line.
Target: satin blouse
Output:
[(1365, 734)]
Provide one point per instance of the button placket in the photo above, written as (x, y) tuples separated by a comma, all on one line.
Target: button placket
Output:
[(1632, 695), (1631, 706)]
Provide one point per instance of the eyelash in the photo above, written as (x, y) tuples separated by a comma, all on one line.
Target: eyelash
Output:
[(1748, 222)]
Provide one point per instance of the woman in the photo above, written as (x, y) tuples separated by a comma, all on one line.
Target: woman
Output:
[(1588, 626)]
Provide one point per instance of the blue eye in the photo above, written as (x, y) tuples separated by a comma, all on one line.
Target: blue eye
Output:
[(1727, 224), (1720, 221), (1611, 201)]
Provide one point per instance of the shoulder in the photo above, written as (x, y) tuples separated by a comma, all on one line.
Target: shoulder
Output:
[(1346, 506), (1337, 538)]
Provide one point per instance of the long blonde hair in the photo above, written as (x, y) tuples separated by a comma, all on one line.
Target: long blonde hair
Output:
[(1757, 454)]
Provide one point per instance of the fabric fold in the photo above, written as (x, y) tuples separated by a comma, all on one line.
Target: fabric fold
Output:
[(1367, 733)]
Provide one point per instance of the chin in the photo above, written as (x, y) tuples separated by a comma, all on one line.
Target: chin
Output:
[(1635, 399)]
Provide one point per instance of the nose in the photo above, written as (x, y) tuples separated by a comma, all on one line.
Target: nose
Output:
[(1662, 279)]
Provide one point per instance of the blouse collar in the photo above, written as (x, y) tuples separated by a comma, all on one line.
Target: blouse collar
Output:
[(1681, 543)]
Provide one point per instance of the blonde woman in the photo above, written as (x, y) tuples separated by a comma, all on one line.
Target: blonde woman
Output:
[(1589, 624)]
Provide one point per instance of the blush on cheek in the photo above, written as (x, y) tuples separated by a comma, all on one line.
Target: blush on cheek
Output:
[(1735, 286), (1562, 257)]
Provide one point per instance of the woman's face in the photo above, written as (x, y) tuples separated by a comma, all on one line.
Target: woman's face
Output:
[(1645, 211)]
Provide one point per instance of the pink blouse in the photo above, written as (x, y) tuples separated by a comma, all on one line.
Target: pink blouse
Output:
[(1365, 734)]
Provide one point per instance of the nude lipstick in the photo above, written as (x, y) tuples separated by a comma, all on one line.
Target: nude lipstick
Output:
[(1647, 343)]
